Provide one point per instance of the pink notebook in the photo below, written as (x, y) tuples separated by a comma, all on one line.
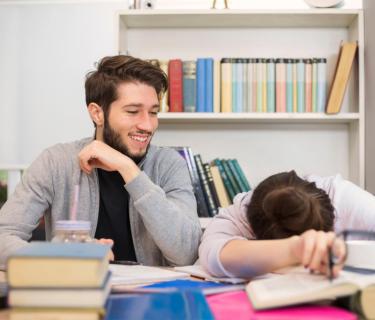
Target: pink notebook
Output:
[(236, 305)]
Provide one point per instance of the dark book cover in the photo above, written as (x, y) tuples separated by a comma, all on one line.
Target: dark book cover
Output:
[(211, 184)]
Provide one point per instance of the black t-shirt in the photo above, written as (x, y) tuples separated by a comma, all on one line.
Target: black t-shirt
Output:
[(113, 221)]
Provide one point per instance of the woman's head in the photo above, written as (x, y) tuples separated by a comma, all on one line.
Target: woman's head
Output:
[(284, 205)]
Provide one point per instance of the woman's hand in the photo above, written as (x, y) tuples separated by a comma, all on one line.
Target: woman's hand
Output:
[(312, 247)]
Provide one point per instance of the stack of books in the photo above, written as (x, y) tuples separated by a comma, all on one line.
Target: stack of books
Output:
[(215, 183), (58, 281)]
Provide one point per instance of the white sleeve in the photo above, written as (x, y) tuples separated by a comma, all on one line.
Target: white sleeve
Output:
[(355, 207), (229, 224)]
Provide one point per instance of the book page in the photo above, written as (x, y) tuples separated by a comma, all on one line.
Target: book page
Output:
[(300, 286), (136, 274)]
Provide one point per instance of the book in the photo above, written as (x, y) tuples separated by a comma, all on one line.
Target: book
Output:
[(51, 264), (341, 77), (56, 314), (226, 85), (201, 85), (211, 184), (60, 297), (300, 286), (175, 86), (206, 287), (169, 305), (228, 186), (164, 100), (212, 209), (209, 76), (189, 85), (138, 274), (219, 186), (236, 305), (187, 154)]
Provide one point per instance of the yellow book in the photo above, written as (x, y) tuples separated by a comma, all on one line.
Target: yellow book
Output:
[(342, 74), (217, 81), (226, 85)]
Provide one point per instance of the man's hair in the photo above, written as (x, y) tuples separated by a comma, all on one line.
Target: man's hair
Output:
[(284, 205), (101, 84)]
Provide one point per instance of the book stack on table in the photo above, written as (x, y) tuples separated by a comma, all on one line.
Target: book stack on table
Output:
[(58, 281)]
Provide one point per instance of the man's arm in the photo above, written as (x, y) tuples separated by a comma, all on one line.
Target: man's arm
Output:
[(20, 215), (169, 211)]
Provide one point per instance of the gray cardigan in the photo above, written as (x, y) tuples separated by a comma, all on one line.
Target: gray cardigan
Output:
[(162, 208)]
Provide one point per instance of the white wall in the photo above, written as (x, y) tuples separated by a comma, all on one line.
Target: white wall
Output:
[(46, 48), (45, 51)]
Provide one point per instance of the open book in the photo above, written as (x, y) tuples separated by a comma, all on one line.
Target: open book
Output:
[(299, 286)]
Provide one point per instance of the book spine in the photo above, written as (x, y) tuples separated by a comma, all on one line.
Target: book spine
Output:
[(244, 84), (234, 85), (280, 85), (236, 176), (231, 177), (228, 187), (201, 86), (242, 175), (219, 186), (300, 85), (198, 190), (271, 85), (206, 188), (314, 92), (321, 84), (308, 85), (226, 85), (289, 85), (209, 72), (260, 85), (250, 66), (189, 85), (211, 184), (175, 86), (164, 100), (294, 85), (217, 93)]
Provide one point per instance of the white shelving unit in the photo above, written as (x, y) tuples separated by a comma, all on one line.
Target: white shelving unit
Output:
[(264, 143)]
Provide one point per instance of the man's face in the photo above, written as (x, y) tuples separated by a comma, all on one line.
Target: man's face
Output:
[(132, 120)]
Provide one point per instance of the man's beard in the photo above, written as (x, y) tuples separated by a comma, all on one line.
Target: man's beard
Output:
[(113, 139)]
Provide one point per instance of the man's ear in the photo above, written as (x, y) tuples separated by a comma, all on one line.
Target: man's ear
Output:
[(96, 114)]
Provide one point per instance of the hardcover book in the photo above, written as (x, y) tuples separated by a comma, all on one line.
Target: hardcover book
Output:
[(49, 264), (341, 78), (300, 286)]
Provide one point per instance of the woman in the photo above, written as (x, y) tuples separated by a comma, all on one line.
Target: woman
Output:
[(293, 220)]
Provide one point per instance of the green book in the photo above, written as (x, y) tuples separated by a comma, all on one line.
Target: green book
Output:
[(236, 175), (231, 177), (228, 187), (241, 174)]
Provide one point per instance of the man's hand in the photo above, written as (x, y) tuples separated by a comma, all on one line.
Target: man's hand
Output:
[(312, 247), (107, 242), (97, 154)]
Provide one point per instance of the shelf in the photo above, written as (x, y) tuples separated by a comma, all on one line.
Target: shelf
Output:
[(313, 18), (178, 117)]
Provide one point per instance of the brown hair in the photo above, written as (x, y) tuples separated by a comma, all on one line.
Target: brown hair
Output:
[(101, 84), (284, 205)]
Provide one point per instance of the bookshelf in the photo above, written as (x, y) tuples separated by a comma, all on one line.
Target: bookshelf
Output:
[(263, 143)]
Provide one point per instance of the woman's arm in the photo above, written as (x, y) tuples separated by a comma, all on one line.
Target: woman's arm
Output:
[(248, 258)]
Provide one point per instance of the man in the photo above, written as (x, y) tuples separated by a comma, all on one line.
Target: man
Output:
[(137, 195)]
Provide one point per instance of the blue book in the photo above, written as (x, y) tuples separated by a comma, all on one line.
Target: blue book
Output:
[(166, 306), (209, 73), (189, 85), (201, 85), (46, 264)]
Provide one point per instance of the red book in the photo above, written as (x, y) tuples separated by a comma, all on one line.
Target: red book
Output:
[(175, 86)]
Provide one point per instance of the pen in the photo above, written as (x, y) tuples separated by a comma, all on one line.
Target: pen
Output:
[(330, 265)]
